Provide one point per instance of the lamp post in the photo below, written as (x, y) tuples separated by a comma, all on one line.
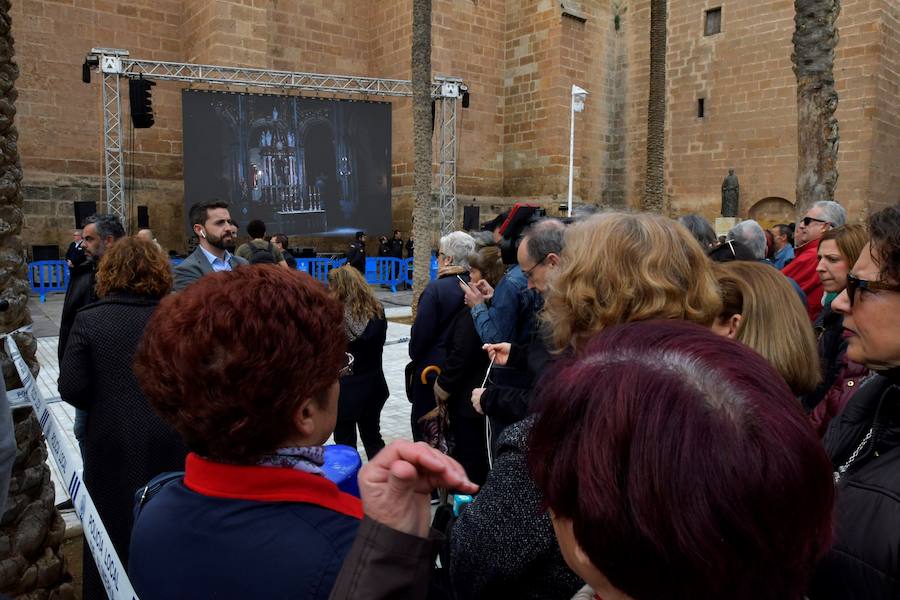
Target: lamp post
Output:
[(578, 96)]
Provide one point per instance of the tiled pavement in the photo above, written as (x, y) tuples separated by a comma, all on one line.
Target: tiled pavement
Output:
[(394, 418)]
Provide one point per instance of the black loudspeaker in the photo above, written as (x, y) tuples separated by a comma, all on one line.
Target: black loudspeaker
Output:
[(143, 217), (45, 252), (141, 102), (471, 216), (465, 99), (83, 210)]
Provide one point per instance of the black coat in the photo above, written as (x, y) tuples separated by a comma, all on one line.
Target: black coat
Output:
[(367, 384), (463, 371), (863, 563), (79, 294), (508, 399), (395, 248), (126, 443), (832, 346), (437, 307), (356, 257)]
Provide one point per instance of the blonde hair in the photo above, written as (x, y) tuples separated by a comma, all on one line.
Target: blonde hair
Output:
[(620, 267), (350, 287), (773, 320)]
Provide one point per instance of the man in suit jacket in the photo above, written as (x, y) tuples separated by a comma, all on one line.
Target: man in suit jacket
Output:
[(216, 232)]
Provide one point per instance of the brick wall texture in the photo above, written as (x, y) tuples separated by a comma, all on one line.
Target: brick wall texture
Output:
[(519, 59)]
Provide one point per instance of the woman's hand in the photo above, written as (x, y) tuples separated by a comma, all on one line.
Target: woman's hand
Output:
[(472, 296), (499, 353), (485, 289), (396, 485), (476, 400)]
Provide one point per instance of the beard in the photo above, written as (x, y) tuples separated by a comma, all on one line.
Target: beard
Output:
[(225, 242)]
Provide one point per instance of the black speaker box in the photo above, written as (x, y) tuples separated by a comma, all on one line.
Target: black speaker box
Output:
[(83, 210), (45, 252), (471, 216), (143, 217)]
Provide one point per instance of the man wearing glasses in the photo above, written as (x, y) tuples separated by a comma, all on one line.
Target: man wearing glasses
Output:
[(820, 217)]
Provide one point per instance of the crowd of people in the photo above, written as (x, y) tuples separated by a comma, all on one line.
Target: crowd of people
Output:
[(639, 409)]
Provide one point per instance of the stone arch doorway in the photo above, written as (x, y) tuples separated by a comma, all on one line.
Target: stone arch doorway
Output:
[(772, 211)]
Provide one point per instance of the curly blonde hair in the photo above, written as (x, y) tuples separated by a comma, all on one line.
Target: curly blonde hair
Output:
[(621, 267), (134, 266), (351, 288)]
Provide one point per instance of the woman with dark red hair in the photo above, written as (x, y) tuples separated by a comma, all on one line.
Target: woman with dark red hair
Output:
[(254, 516), (690, 473)]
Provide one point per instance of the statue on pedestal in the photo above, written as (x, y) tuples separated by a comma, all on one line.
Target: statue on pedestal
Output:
[(731, 195)]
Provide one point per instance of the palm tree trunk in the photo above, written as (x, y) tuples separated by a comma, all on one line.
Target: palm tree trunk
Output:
[(815, 38), (654, 184), (422, 130), (32, 529)]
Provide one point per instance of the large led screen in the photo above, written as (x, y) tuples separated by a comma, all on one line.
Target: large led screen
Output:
[(304, 166)]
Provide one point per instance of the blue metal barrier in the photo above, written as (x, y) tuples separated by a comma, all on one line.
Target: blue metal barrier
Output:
[(48, 276), (385, 270)]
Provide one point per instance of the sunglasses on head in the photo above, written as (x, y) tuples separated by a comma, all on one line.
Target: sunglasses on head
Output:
[(808, 220), (855, 283)]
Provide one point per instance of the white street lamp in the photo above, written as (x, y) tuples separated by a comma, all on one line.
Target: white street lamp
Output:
[(578, 96)]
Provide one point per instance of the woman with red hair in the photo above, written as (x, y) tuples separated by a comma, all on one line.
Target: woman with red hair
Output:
[(254, 515), (690, 473)]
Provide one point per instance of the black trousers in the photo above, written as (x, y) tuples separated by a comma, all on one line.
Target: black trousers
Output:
[(368, 420)]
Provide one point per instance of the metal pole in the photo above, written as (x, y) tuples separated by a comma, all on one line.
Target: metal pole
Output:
[(571, 150), (112, 148)]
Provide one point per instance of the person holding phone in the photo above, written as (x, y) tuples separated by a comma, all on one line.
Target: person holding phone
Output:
[(431, 330)]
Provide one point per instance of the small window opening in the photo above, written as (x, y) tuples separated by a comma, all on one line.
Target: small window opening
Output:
[(701, 108), (713, 21)]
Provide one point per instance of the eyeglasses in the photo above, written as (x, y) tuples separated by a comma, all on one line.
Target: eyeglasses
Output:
[(347, 369), (529, 273), (854, 283), (808, 220)]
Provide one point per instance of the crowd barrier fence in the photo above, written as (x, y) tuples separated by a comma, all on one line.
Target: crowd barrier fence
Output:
[(68, 461), (46, 276)]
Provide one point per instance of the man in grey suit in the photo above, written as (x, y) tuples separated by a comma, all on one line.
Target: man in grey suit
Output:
[(216, 232)]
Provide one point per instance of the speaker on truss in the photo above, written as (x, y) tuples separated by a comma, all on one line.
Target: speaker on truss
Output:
[(83, 210), (143, 217), (141, 102), (471, 216)]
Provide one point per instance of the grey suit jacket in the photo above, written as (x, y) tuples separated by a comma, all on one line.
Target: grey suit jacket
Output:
[(196, 266)]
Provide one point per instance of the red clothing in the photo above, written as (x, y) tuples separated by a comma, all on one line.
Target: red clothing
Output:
[(803, 270)]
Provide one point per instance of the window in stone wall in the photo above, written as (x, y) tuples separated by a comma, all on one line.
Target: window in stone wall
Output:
[(713, 21), (701, 108)]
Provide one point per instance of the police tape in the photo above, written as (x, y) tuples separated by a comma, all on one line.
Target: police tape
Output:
[(112, 572)]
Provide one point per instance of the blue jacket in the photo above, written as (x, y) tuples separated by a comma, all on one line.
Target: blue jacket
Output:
[(232, 531), (508, 318)]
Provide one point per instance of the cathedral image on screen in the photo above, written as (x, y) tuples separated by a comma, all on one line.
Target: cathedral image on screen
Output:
[(304, 166)]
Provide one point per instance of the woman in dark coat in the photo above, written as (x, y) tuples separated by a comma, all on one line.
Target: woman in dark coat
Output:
[(364, 391), (126, 443), (464, 370), (437, 307)]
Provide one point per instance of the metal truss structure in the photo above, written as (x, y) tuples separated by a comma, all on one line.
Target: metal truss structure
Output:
[(115, 65)]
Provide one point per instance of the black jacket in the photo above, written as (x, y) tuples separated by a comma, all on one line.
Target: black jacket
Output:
[(463, 371), (508, 400), (395, 248), (367, 383), (79, 294), (356, 257), (832, 347), (126, 442), (865, 559)]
